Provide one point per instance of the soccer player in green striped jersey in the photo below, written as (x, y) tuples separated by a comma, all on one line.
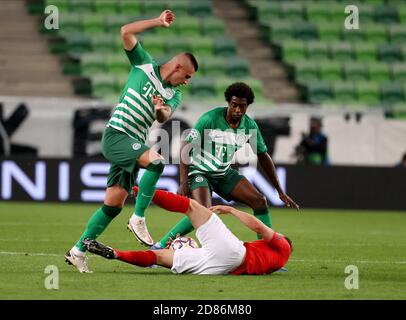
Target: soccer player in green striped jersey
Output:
[(216, 136), (150, 94)]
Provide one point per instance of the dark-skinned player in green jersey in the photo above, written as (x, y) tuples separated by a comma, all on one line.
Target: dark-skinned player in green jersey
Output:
[(216, 136), (150, 94)]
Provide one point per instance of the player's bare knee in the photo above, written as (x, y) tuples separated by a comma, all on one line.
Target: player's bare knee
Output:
[(259, 202)]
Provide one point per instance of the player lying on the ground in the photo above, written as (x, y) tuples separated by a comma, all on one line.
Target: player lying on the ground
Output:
[(214, 139), (221, 252)]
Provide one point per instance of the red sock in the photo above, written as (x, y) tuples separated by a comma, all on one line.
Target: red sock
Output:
[(139, 258), (169, 201)]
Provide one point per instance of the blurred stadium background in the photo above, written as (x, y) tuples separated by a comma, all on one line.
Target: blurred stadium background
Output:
[(59, 86)]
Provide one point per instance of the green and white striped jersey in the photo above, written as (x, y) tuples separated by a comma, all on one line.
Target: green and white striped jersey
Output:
[(135, 112), (215, 142)]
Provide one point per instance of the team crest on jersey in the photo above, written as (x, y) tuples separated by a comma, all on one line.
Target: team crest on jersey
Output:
[(199, 179), (137, 146), (240, 139)]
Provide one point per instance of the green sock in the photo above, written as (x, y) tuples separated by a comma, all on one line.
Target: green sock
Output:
[(264, 216), (146, 187), (183, 227), (97, 223)]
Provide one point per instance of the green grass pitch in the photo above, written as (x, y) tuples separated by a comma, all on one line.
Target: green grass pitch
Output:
[(34, 235)]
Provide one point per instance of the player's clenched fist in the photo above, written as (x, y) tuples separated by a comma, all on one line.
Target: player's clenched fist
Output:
[(166, 18)]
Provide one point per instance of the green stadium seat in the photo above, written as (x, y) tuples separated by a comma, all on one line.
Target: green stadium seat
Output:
[(106, 6), (201, 8), (103, 85), (305, 30), (237, 67), (180, 8), (92, 63), (379, 72), (70, 23), (376, 33), (386, 14), (368, 93), (402, 13), (390, 53), (104, 43), (366, 13), (280, 29), (155, 45), (201, 87), (392, 93), (77, 43), (118, 64), (114, 22), (202, 47), (81, 6), (306, 70), (155, 7), (187, 26), (212, 27), (63, 5), (329, 31), (330, 70), (317, 50), (92, 23), (178, 45), (221, 84), (255, 84), (399, 72), (337, 14), (317, 92), (344, 92), (341, 51), (266, 12), (365, 52), (225, 46), (397, 33), (293, 50), (129, 7), (318, 12), (292, 11), (214, 66), (353, 35), (355, 71)]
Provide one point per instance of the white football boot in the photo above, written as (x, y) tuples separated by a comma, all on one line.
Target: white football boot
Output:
[(138, 226), (78, 259)]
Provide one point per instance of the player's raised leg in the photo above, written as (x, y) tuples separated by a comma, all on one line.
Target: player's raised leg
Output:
[(154, 166), (246, 193)]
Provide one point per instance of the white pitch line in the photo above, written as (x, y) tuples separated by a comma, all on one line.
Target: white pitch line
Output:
[(291, 260)]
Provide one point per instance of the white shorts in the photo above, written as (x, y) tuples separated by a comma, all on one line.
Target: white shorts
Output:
[(221, 251)]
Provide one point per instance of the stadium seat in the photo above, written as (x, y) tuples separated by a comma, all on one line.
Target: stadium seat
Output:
[(266, 12), (365, 52), (155, 45), (255, 84), (330, 70), (355, 71), (397, 34), (212, 27), (63, 5), (317, 50), (402, 13), (81, 6), (390, 53), (379, 72), (317, 92), (77, 43), (117, 64), (386, 14), (180, 8), (106, 43), (129, 7), (115, 21), (399, 72), (103, 85), (317, 12), (292, 11), (280, 30), (353, 35), (344, 92), (341, 51), (70, 23), (225, 47), (92, 23), (368, 93), (178, 45), (305, 31), (187, 26), (92, 63), (202, 8), (214, 66), (237, 67), (306, 70), (293, 50), (376, 33), (366, 13), (391, 93), (329, 31), (202, 47), (106, 6), (201, 87)]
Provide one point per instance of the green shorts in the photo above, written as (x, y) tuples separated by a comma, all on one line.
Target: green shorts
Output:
[(222, 185), (122, 152)]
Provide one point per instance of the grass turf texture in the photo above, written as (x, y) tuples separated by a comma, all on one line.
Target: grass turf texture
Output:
[(34, 235)]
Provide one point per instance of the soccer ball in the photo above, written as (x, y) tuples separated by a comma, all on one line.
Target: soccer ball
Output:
[(183, 242)]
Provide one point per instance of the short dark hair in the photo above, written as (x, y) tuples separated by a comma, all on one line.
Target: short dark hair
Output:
[(290, 243), (239, 90), (193, 60)]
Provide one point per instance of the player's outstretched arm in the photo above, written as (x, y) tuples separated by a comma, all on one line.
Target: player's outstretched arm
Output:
[(267, 164), (162, 112), (129, 31), (247, 219)]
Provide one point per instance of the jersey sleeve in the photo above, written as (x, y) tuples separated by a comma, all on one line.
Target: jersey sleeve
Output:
[(198, 129), (258, 139), (138, 55), (175, 101)]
